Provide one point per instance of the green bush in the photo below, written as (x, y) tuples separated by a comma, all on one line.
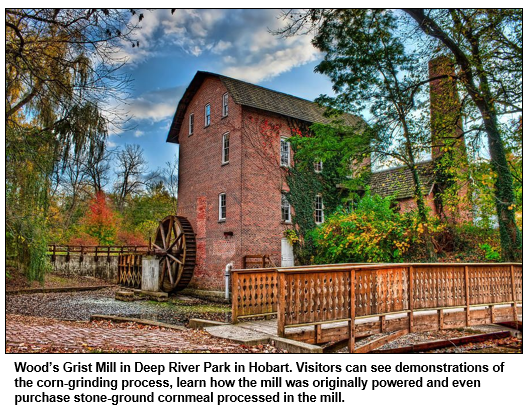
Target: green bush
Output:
[(371, 232)]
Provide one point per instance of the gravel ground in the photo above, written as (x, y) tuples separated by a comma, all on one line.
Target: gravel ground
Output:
[(81, 305)]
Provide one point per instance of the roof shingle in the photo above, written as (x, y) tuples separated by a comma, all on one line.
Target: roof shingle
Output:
[(250, 95), (399, 181)]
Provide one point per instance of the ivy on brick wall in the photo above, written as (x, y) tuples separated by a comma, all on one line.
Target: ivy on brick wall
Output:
[(332, 183)]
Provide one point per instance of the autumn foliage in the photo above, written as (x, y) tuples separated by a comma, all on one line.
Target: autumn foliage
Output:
[(101, 221)]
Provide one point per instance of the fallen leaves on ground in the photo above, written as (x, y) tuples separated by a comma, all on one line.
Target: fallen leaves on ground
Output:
[(196, 341)]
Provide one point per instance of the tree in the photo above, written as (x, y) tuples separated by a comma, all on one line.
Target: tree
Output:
[(132, 173), (97, 166), (486, 46), (171, 174), (370, 67), (61, 73), (101, 222)]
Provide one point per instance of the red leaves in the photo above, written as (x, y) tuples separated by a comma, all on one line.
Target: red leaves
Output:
[(101, 222)]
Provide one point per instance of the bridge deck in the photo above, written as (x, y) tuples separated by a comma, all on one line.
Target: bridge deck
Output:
[(261, 331)]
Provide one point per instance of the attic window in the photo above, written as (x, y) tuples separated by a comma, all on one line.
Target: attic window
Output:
[(225, 105), (191, 124), (207, 115), (318, 167)]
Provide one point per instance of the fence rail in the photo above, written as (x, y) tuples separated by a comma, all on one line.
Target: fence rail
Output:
[(95, 250), (332, 293), (257, 261)]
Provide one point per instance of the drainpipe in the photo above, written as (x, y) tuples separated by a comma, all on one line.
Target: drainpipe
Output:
[(228, 268)]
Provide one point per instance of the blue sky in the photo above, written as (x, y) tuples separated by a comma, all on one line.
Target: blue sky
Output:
[(235, 43)]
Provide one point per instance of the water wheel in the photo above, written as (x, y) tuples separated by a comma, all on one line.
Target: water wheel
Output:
[(174, 245)]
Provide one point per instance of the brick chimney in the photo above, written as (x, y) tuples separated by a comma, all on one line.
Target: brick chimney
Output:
[(446, 121), (448, 142)]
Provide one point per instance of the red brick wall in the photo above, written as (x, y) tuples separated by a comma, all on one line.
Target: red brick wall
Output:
[(252, 182), (263, 182), (202, 177)]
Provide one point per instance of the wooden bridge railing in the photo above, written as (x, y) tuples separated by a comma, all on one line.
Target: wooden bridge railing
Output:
[(325, 294), (255, 291)]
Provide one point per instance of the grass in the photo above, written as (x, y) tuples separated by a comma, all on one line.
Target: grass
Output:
[(184, 306)]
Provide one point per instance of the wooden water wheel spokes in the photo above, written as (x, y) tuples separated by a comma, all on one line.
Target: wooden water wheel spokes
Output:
[(174, 245)]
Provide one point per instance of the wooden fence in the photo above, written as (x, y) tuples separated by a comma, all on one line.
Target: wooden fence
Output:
[(130, 270), (93, 250), (257, 261), (254, 293), (341, 293)]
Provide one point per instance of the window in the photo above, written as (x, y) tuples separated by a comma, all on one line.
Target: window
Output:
[(222, 207), (284, 152), (285, 208), (191, 124), (207, 115), (318, 167), (225, 105), (319, 212), (225, 148)]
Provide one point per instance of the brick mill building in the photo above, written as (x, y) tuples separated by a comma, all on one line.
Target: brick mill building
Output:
[(233, 147)]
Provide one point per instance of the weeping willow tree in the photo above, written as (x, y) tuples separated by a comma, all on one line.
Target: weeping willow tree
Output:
[(61, 75)]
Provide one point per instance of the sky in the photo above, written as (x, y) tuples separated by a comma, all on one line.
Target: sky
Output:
[(232, 42)]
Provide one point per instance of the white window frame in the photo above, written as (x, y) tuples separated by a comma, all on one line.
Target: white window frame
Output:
[(318, 167), (208, 114), (318, 209), (191, 124), (285, 154), (225, 146), (225, 105), (284, 204), (222, 207)]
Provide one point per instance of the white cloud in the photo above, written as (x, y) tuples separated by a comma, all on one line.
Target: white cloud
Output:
[(155, 106), (240, 36), (139, 133), (273, 63), (221, 46)]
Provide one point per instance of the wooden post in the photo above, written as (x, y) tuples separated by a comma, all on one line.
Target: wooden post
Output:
[(382, 324), (411, 306), (67, 253), (109, 254), (513, 286), (53, 253), (352, 324), (263, 261), (318, 333), (492, 316), (281, 304), (467, 297), (235, 293), (96, 254), (441, 319)]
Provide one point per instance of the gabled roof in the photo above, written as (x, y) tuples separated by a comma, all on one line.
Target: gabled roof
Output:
[(250, 95), (399, 181)]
